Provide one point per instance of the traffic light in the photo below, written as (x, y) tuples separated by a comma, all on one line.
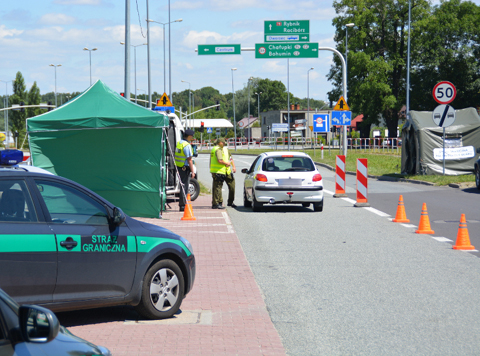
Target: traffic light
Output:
[(49, 108), (202, 126), (22, 104), (218, 107), (16, 134)]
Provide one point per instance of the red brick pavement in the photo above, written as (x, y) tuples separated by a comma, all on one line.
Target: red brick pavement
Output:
[(224, 314)]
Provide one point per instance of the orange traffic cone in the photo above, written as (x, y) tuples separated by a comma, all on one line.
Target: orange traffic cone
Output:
[(188, 212), (463, 239), (401, 216), (424, 226)]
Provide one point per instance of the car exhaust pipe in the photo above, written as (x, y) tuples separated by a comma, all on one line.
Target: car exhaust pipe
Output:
[(272, 201)]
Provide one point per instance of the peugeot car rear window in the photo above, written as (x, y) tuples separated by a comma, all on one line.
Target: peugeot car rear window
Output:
[(287, 163)]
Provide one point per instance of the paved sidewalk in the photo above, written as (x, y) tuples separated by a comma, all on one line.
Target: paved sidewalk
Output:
[(224, 314)]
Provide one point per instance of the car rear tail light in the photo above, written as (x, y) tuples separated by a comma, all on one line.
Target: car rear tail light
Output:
[(287, 155), (317, 177), (261, 177)]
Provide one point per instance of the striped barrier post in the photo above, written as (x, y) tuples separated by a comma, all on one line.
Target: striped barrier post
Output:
[(362, 183), (339, 177)]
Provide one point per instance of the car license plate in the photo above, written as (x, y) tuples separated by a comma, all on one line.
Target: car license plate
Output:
[(290, 182)]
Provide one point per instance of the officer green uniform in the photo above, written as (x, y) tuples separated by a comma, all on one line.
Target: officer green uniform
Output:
[(220, 173)]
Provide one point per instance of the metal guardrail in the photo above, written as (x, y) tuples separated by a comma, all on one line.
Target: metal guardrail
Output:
[(375, 144)]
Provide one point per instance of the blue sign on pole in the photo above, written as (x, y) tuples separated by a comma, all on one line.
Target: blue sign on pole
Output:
[(341, 118), (320, 123), (165, 108), (209, 130)]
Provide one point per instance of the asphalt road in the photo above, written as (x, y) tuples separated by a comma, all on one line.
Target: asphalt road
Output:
[(348, 281)]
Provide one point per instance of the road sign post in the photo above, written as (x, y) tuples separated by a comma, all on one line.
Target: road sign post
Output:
[(287, 31), (321, 123), (286, 50), (219, 49), (443, 116), (444, 92), (341, 118)]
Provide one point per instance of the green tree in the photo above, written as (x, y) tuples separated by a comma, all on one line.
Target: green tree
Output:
[(274, 95), (446, 46), (17, 117), (34, 99), (376, 58)]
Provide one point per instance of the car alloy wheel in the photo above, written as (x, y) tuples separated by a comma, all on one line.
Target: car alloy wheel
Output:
[(163, 291)]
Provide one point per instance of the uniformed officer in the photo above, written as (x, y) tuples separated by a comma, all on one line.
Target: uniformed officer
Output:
[(184, 163), (222, 168)]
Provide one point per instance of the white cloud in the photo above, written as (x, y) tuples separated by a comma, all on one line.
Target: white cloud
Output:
[(56, 19), (4, 32)]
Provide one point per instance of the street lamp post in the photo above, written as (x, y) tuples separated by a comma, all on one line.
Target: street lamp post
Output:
[(346, 50), (248, 126), (6, 104), (189, 101), (135, 64), (346, 85), (234, 119), (53, 65), (164, 51), (308, 95), (90, 51), (407, 106), (258, 95)]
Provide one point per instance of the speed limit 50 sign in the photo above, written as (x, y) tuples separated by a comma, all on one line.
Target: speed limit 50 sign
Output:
[(444, 92)]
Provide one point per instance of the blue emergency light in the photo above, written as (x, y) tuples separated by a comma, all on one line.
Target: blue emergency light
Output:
[(11, 157)]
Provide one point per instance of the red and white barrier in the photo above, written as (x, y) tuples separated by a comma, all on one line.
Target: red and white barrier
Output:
[(362, 182), (340, 177)]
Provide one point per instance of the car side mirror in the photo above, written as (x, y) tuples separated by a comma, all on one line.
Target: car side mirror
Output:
[(118, 216), (478, 150), (245, 170), (37, 324)]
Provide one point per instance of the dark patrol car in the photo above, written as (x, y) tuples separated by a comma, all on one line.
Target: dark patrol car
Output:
[(30, 330), (64, 247)]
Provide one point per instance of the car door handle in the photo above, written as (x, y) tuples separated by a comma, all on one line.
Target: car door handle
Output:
[(69, 243)]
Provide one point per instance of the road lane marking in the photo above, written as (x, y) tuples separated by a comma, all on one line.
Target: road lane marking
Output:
[(378, 212), (442, 239)]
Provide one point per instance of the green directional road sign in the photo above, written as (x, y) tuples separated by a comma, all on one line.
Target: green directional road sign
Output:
[(286, 50), (287, 31), (219, 49)]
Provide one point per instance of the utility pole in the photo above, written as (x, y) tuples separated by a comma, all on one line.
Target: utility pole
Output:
[(127, 50)]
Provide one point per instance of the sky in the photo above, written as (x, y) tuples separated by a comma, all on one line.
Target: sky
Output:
[(35, 34)]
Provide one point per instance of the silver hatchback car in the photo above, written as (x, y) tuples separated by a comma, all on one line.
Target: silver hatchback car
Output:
[(283, 178)]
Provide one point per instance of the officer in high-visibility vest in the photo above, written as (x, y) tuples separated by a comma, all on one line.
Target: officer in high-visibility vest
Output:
[(222, 168), (184, 163)]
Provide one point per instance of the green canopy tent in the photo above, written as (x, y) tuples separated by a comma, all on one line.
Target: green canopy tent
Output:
[(108, 144)]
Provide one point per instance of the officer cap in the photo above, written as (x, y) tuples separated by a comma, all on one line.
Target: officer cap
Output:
[(189, 132), (220, 139)]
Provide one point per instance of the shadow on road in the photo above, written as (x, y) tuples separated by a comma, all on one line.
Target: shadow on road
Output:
[(97, 316), (472, 190)]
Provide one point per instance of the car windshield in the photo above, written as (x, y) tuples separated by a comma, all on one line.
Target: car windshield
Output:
[(287, 163)]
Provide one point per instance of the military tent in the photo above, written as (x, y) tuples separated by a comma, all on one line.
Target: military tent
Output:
[(108, 144), (422, 143)]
